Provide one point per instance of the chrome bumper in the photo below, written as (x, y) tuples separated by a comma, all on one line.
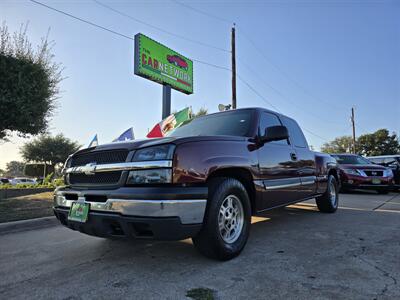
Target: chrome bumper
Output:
[(189, 211)]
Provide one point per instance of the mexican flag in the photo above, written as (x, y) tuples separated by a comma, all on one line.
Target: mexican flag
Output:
[(169, 123)]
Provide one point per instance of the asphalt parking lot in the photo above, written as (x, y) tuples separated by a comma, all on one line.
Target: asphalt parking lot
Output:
[(292, 253)]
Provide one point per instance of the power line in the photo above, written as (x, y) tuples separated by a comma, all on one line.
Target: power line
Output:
[(257, 93), (284, 96), (82, 20), (198, 61), (115, 32), (285, 74), (276, 108), (288, 77), (159, 28), (203, 12)]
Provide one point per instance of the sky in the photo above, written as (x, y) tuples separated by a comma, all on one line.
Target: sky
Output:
[(311, 60)]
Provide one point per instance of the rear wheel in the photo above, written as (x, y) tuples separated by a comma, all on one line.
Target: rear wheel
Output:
[(227, 220), (329, 201)]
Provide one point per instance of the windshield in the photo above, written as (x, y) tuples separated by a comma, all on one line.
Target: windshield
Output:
[(351, 160), (235, 123)]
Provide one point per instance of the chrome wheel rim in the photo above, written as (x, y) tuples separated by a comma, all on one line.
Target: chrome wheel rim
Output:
[(230, 219), (332, 193)]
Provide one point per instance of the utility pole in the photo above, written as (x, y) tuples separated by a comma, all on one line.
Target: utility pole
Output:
[(233, 67), (354, 130)]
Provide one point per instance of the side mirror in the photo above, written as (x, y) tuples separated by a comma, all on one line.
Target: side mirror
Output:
[(275, 133)]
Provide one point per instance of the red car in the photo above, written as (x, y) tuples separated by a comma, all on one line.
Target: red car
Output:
[(177, 61), (357, 172)]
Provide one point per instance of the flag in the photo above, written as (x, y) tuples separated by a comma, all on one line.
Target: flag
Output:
[(94, 142), (169, 123), (127, 135)]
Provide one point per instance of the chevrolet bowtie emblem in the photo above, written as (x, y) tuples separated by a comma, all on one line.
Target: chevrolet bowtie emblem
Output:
[(88, 169)]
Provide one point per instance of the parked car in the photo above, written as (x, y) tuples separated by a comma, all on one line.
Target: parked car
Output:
[(4, 181), (23, 180), (357, 172), (204, 181), (390, 161)]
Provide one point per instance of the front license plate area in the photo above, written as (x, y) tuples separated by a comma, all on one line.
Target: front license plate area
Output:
[(376, 181), (79, 212)]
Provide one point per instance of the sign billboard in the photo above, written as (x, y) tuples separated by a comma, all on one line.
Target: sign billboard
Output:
[(159, 63)]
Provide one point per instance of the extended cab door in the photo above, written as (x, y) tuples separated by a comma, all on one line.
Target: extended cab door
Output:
[(278, 168), (305, 159)]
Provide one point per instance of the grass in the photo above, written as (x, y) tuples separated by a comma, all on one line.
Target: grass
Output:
[(26, 207), (200, 294)]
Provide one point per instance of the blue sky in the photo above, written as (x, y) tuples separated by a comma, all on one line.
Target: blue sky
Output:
[(313, 60)]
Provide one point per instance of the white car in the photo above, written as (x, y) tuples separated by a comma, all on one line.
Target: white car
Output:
[(23, 180)]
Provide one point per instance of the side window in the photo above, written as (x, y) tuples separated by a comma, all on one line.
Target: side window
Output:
[(296, 136), (268, 120)]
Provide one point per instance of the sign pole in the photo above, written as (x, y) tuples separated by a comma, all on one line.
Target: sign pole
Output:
[(233, 67), (166, 101)]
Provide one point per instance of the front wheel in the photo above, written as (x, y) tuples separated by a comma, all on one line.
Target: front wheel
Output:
[(329, 201), (227, 220)]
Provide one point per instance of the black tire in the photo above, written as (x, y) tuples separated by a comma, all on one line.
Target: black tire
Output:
[(209, 241), (325, 202), (383, 192)]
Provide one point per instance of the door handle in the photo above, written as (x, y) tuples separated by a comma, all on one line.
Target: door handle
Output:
[(293, 156)]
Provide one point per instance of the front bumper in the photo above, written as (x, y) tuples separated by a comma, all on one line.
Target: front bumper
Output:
[(157, 212), (356, 182)]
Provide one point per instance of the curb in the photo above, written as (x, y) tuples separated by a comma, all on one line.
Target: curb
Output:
[(25, 225)]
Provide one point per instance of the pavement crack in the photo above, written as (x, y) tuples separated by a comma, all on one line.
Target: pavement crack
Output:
[(379, 269), (386, 202)]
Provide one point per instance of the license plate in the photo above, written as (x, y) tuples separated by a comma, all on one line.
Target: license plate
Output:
[(376, 181), (79, 212)]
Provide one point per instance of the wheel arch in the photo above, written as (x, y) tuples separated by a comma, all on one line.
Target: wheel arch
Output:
[(241, 174)]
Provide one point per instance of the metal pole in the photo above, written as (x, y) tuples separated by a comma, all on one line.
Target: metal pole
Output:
[(233, 68), (166, 101), (354, 130)]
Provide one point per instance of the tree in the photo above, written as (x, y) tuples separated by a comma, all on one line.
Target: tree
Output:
[(201, 112), (49, 150), (2, 172), (28, 85), (341, 144), (15, 168), (378, 143)]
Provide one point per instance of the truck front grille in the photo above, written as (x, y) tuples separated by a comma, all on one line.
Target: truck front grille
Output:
[(99, 157), (98, 178)]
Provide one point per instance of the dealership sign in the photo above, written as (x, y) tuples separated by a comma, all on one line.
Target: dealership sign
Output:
[(157, 62)]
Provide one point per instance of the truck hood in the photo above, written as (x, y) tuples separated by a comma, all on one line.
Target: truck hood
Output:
[(142, 143)]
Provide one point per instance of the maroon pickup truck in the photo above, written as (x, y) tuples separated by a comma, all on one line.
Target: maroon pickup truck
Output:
[(204, 181)]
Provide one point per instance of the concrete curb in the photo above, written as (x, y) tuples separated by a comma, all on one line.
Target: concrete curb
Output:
[(25, 225)]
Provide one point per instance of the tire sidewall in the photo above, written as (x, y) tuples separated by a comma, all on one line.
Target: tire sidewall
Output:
[(332, 180), (226, 188)]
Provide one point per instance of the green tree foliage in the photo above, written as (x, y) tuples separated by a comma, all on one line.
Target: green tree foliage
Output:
[(28, 85), (341, 144), (381, 142), (201, 112), (15, 168), (37, 170), (49, 150), (2, 172)]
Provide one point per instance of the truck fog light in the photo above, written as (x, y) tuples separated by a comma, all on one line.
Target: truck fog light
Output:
[(150, 176), (350, 181)]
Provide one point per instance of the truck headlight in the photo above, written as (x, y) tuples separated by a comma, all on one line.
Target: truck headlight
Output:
[(161, 152), (153, 176)]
